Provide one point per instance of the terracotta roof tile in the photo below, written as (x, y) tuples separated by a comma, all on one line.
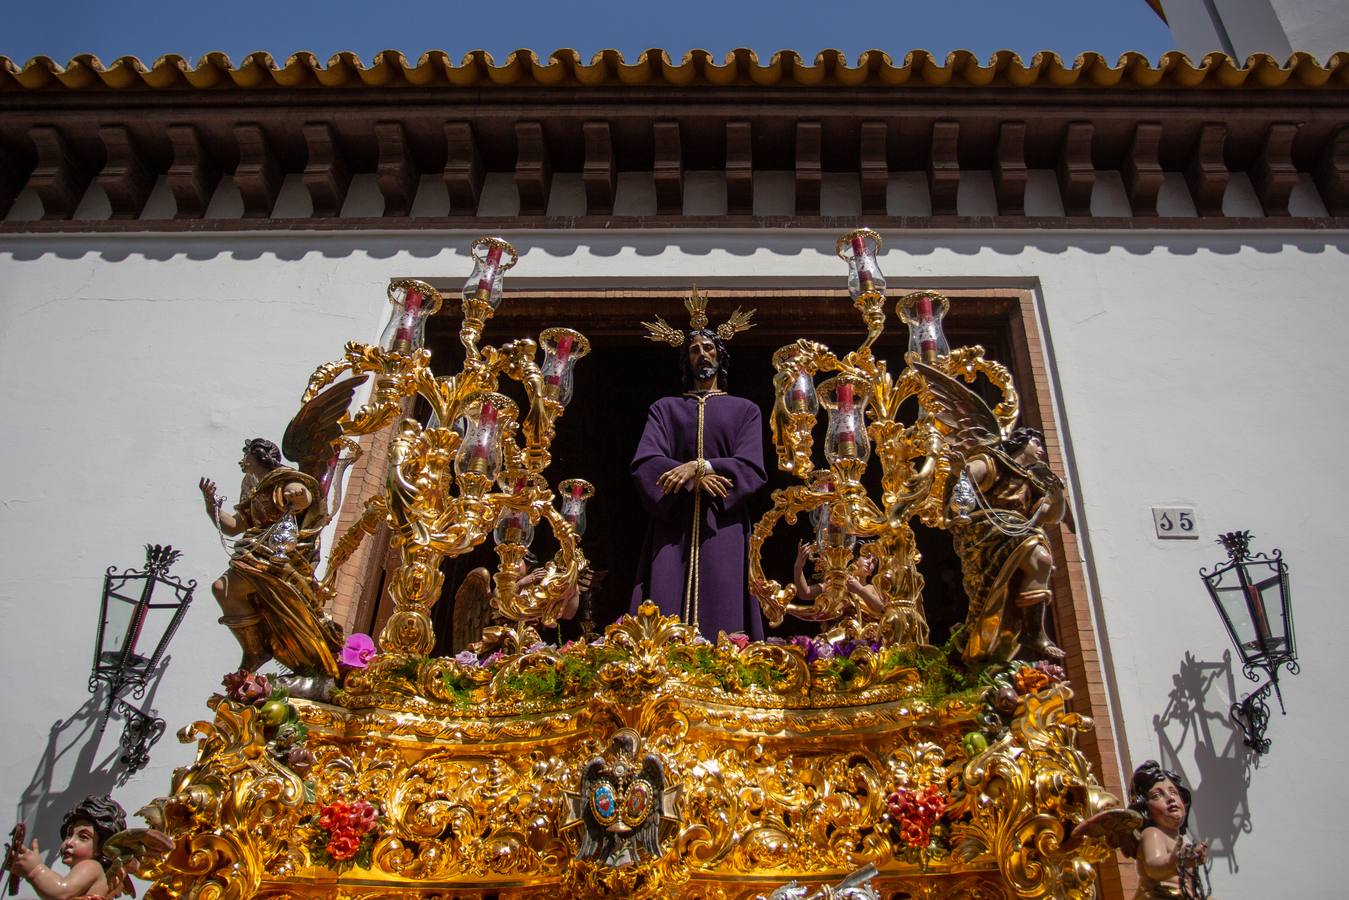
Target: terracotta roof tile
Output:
[(566, 68)]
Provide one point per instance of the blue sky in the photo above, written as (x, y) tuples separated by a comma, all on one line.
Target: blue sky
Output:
[(150, 28)]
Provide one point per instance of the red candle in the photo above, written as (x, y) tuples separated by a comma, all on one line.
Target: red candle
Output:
[(489, 273), (927, 334), (561, 355), (847, 439), (486, 420), (412, 307), (859, 254)]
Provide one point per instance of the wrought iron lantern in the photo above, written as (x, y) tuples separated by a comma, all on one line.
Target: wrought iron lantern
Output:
[(134, 629), (1251, 593)]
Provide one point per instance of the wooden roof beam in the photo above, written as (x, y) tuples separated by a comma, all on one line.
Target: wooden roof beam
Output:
[(60, 177), (668, 169), (1332, 173), (533, 169), (1009, 169), (943, 168), (464, 171), (875, 168), (126, 178), (739, 168), (258, 175), (396, 172), (193, 174), (1274, 176), (598, 175), (327, 176), (1207, 172), (1142, 170), (809, 177), (1077, 172)]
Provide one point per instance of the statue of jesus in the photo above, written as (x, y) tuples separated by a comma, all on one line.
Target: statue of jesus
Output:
[(698, 463)]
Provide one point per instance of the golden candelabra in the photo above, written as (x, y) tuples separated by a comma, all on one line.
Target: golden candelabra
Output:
[(441, 495), (647, 762), (915, 460)]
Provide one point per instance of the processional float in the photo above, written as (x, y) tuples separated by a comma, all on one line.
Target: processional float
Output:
[(650, 761)]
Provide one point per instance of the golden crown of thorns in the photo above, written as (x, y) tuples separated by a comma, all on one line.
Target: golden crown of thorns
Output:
[(663, 332)]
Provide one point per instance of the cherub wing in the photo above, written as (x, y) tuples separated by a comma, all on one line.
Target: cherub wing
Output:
[(1117, 827), (127, 850), (961, 414), (310, 435), (471, 608)]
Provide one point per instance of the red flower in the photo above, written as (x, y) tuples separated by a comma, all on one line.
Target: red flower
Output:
[(915, 812), (343, 845), (334, 815)]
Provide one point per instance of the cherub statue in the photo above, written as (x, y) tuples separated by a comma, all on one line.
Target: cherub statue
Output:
[(269, 596), (868, 597), (1003, 494), (1151, 831), (98, 849)]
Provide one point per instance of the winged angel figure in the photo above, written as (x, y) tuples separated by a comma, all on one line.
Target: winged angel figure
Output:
[(1151, 831), (269, 596), (1003, 495)]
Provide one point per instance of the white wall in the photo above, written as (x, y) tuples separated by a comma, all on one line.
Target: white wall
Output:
[(1194, 369)]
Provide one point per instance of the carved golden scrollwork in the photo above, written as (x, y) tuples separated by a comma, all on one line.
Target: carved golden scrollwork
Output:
[(476, 793)]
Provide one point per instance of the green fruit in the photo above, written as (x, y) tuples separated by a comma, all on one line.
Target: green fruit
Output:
[(975, 743), (274, 712)]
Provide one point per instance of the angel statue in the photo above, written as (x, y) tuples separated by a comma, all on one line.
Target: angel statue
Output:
[(97, 848), (269, 597), (1151, 831), (622, 804), (1003, 494)]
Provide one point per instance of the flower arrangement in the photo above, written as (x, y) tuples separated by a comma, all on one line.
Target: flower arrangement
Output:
[(914, 815), (286, 734), (344, 834)]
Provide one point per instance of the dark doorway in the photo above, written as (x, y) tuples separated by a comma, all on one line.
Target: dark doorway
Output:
[(625, 373)]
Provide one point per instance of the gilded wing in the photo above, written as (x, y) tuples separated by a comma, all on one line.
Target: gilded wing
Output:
[(1117, 827), (739, 321), (961, 414), (592, 832), (126, 851), (648, 833), (662, 332), (310, 436), (471, 604)]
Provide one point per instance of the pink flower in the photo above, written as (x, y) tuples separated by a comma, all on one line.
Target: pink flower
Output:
[(358, 651), (739, 639)]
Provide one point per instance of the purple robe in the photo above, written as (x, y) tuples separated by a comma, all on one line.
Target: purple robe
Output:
[(733, 445)]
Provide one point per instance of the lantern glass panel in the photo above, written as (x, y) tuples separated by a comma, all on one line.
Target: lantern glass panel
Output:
[(1255, 611), (119, 609)]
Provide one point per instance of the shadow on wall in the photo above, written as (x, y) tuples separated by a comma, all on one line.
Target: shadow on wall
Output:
[(72, 752), (1196, 724)]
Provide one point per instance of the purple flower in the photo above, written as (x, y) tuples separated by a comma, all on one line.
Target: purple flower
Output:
[(536, 647), (775, 641), (845, 648), (820, 650), (1053, 670), (301, 759), (802, 641), (248, 688), (358, 651), (467, 658), (492, 658)]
